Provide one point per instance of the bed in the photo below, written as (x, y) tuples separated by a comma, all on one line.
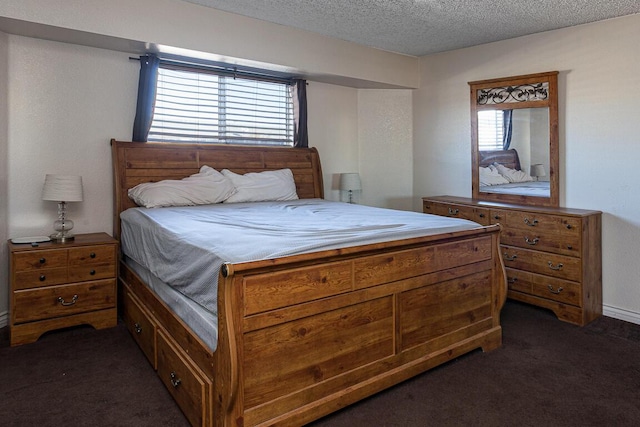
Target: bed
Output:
[(302, 335), (510, 159)]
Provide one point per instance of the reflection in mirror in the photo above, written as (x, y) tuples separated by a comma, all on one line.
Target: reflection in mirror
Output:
[(514, 123), (525, 134)]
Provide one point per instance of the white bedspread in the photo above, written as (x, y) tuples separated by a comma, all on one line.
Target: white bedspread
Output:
[(186, 246), (530, 188)]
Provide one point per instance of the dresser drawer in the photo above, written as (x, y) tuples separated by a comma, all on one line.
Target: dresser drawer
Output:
[(63, 300), (141, 327), (541, 240), (40, 278), (39, 260), (541, 223), (559, 266), (187, 386), (518, 280), (475, 214), (559, 290)]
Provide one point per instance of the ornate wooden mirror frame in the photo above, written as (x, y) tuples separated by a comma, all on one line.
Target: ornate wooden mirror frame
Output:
[(510, 93)]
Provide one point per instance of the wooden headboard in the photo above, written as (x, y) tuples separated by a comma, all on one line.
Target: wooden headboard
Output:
[(138, 162), (508, 158)]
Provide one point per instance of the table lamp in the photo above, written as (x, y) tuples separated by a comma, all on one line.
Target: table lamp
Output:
[(537, 171), (62, 189), (350, 182)]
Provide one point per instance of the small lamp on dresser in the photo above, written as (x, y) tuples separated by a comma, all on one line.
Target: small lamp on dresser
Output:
[(62, 189), (350, 183), (537, 171)]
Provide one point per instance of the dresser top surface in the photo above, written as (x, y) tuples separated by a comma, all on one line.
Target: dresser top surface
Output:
[(511, 206)]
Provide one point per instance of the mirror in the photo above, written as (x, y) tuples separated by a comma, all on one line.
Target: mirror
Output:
[(514, 133)]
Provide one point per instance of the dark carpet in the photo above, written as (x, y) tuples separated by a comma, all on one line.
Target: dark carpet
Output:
[(547, 373)]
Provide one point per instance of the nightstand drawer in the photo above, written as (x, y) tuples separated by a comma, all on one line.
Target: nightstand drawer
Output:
[(91, 272), (63, 300), (92, 255), (40, 278), (39, 260)]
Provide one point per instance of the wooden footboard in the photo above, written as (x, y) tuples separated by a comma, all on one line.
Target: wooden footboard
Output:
[(303, 336)]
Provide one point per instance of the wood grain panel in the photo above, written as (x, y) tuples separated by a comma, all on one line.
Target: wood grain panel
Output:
[(315, 349), (436, 310), (160, 158), (399, 265), (264, 292)]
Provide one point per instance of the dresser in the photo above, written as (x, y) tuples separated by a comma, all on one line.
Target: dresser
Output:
[(552, 256), (57, 285)]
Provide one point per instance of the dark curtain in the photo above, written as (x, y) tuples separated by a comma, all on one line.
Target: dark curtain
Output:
[(507, 128), (146, 97), (301, 137)]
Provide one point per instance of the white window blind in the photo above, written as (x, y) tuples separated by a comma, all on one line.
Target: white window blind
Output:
[(490, 130), (205, 107)]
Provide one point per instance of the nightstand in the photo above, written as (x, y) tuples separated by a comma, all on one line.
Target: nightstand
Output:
[(57, 285)]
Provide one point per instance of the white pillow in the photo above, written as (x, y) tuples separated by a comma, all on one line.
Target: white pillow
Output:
[(491, 176), (262, 186), (513, 175), (203, 188)]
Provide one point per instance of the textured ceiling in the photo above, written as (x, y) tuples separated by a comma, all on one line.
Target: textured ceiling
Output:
[(421, 27)]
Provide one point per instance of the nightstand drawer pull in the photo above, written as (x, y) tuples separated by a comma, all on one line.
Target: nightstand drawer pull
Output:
[(531, 242), (92, 254), (175, 382), (137, 328), (555, 267), (453, 211), (510, 258), (92, 272), (43, 277), (74, 299), (531, 223), (43, 260), (553, 291)]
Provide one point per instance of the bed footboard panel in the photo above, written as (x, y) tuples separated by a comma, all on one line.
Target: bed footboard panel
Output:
[(311, 338)]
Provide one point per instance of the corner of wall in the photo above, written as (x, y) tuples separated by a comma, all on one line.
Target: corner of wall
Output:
[(4, 190)]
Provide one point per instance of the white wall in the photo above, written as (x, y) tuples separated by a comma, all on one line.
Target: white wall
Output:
[(599, 115), (4, 166)]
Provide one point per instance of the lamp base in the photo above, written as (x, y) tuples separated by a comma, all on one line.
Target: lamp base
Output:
[(62, 237)]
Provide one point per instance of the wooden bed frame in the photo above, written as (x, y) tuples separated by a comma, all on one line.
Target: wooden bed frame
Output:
[(303, 336), (507, 158)]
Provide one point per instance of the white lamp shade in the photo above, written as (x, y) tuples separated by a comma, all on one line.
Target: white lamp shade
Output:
[(62, 188), (350, 182), (538, 170)]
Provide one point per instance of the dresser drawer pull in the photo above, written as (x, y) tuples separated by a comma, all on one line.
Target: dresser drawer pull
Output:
[(92, 255), (92, 272), (43, 260), (137, 328), (74, 299), (175, 382), (496, 217), (553, 291), (510, 258), (453, 211), (569, 227), (531, 242), (531, 223), (481, 215), (43, 277), (555, 267), (511, 280)]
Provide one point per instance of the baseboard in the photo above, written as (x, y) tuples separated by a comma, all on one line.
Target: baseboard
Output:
[(621, 314), (4, 319)]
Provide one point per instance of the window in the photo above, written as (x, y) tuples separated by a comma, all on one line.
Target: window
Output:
[(490, 130), (206, 106)]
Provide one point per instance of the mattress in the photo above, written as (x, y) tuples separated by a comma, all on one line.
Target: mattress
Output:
[(530, 188), (184, 247)]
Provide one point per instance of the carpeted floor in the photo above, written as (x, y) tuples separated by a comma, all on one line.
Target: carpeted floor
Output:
[(547, 373)]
